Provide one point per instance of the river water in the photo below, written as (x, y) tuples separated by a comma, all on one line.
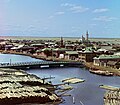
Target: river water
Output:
[(88, 92)]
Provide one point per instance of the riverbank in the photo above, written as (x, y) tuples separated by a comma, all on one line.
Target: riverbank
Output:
[(36, 56), (18, 87), (102, 70), (92, 68)]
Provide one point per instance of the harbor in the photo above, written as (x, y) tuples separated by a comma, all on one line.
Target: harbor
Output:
[(59, 52), (79, 91)]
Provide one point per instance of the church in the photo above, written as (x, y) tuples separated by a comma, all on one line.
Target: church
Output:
[(85, 40)]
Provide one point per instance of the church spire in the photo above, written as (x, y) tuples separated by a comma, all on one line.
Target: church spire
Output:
[(61, 42), (87, 35)]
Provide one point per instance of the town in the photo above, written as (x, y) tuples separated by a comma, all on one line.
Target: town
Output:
[(97, 55), (100, 57)]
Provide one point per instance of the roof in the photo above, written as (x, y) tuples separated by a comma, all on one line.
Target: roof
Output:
[(39, 51), (118, 53), (108, 57), (69, 45), (112, 62), (109, 48), (88, 50), (102, 50), (47, 49), (38, 44), (71, 52), (60, 49)]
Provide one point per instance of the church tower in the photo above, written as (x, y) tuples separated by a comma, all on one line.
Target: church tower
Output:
[(83, 39), (61, 42), (87, 36)]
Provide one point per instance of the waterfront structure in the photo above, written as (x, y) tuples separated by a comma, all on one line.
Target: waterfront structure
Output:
[(87, 55), (114, 64), (107, 60)]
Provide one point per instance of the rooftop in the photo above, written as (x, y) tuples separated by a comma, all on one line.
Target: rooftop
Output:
[(71, 52), (108, 57)]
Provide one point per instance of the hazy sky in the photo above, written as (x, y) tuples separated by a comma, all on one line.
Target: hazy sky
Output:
[(55, 18)]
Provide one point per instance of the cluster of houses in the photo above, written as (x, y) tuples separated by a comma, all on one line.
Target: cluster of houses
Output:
[(100, 53)]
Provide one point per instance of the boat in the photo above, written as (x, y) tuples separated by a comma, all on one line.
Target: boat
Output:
[(100, 72)]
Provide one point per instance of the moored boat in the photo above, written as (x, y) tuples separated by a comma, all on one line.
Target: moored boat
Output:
[(100, 72)]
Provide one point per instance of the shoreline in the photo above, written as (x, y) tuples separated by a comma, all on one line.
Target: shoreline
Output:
[(100, 70), (92, 68)]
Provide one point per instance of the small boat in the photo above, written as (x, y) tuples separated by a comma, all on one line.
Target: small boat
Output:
[(100, 72)]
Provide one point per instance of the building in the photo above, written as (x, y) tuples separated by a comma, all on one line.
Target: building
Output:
[(71, 55), (87, 35), (85, 40), (88, 54), (61, 42), (106, 60), (114, 64), (58, 52)]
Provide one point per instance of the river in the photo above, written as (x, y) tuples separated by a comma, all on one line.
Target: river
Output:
[(88, 92)]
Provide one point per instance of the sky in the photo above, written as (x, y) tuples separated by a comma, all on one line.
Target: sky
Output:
[(56, 18)]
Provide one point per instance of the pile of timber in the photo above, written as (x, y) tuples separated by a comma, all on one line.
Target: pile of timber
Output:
[(73, 80), (18, 87), (112, 97)]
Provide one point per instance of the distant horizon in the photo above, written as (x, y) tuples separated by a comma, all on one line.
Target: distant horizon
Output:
[(63, 37)]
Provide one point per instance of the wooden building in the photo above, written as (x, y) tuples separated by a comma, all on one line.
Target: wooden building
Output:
[(71, 55)]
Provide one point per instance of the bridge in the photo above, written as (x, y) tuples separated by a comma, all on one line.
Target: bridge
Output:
[(40, 64)]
